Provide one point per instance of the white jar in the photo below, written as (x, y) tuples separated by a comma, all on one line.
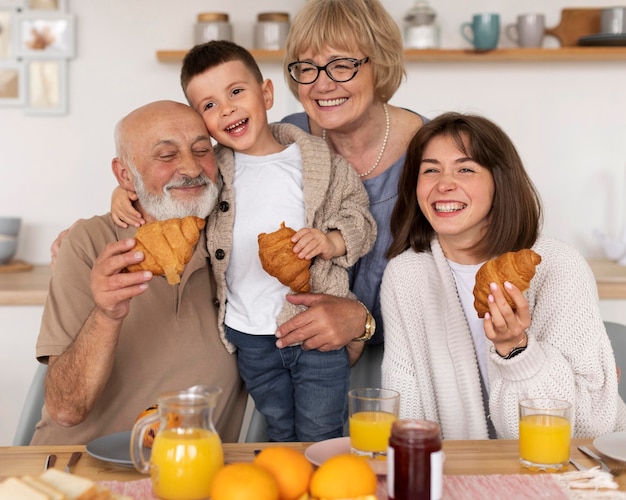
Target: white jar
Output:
[(212, 26), (270, 31), (420, 28)]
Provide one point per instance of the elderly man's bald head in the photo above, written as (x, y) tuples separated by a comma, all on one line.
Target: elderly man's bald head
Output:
[(164, 153)]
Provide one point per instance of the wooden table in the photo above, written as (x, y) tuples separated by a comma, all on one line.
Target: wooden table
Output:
[(462, 458)]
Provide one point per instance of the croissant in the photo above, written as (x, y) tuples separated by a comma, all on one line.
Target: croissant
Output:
[(517, 268), (167, 246), (279, 260)]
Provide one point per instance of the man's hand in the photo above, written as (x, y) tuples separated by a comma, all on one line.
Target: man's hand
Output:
[(328, 324), (112, 289)]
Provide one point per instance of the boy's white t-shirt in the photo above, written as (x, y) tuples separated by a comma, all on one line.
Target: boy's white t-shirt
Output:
[(268, 191), (465, 278)]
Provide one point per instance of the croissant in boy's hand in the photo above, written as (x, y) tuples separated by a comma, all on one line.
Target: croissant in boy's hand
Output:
[(167, 246), (517, 268), (279, 260)]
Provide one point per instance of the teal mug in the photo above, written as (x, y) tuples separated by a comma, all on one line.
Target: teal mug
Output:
[(485, 31)]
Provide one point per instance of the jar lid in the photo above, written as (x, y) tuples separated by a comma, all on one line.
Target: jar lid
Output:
[(420, 13), (282, 17), (205, 17)]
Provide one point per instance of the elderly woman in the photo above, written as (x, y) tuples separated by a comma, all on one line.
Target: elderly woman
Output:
[(465, 198), (344, 60)]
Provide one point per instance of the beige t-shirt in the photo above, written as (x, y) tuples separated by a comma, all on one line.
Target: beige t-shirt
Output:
[(169, 340)]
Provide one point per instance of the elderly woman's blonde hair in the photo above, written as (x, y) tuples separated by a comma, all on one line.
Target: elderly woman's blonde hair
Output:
[(350, 25)]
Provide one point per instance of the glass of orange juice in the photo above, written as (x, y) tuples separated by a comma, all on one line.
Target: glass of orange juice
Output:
[(544, 433), (372, 411)]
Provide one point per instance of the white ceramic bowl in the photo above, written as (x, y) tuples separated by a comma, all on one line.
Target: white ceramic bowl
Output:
[(10, 226), (8, 246)]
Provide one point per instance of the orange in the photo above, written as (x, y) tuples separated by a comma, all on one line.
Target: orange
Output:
[(343, 476), (289, 467), (243, 481)]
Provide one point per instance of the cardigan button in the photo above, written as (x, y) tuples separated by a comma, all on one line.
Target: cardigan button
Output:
[(220, 254), (216, 302), (224, 206)]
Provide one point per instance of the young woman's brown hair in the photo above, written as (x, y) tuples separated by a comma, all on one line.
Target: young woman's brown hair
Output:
[(515, 216)]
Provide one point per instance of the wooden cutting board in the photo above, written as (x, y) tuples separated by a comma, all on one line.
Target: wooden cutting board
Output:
[(574, 24)]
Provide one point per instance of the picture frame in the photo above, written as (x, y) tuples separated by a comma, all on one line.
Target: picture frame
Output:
[(46, 92), (44, 34), (6, 32), (53, 5), (12, 83)]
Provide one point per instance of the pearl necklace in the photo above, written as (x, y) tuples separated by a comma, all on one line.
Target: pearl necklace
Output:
[(382, 149)]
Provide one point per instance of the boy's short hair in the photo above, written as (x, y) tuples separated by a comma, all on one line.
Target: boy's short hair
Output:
[(210, 54)]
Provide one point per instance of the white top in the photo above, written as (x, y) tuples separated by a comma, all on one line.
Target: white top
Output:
[(465, 278), (268, 190), (429, 356)]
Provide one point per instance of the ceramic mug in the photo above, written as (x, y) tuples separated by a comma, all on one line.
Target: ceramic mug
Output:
[(485, 31), (613, 20), (528, 31)]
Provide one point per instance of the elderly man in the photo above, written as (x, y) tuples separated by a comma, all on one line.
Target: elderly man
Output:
[(113, 340)]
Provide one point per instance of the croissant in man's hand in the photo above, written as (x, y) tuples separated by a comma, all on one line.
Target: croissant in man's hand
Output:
[(517, 268), (167, 246)]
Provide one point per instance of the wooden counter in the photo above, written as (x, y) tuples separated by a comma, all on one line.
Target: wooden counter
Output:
[(31, 287), (25, 288)]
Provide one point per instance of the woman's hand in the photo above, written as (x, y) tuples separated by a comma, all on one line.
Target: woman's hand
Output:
[(328, 324), (122, 209), (505, 327)]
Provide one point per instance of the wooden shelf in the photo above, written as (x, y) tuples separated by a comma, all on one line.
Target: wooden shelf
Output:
[(457, 55)]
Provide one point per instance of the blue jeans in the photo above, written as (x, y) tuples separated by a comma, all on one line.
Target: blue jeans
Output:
[(302, 394)]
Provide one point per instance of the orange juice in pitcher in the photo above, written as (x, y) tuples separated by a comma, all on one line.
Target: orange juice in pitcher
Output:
[(187, 451)]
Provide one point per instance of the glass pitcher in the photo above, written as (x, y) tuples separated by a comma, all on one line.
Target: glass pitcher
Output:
[(187, 451)]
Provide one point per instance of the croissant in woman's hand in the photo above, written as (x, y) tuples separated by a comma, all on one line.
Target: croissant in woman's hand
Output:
[(279, 260), (517, 268), (167, 246)]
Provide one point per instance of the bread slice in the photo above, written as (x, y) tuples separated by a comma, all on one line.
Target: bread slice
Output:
[(14, 488), (51, 492), (73, 487)]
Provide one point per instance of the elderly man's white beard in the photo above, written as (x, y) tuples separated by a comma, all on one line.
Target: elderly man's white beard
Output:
[(165, 206)]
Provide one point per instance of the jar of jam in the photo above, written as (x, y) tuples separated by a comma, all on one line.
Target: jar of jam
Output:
[(415, 461)]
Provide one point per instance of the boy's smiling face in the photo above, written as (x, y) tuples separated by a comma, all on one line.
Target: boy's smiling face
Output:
[(233, 105)]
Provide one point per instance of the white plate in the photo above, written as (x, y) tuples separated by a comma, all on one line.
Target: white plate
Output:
[(612, 445), (114, 448), (318, 453)]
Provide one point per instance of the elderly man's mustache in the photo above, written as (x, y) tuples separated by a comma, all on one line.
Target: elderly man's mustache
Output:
[(201, 180)]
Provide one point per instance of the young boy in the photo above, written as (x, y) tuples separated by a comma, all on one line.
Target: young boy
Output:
[(275, 173)]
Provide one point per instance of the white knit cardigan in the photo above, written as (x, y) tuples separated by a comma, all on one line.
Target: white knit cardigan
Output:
[(430, 358)]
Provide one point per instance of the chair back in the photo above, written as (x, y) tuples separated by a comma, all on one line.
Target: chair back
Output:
[(31, 411), (617, 335)]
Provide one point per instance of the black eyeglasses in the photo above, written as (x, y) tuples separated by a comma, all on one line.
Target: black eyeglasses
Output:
[(339, 70)]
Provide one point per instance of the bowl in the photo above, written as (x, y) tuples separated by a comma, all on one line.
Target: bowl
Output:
[(10, 226), (8, 246)]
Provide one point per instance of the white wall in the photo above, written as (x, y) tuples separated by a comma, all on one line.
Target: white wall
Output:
[(567, 118)]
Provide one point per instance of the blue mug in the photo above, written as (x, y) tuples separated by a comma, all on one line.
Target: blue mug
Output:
[(485, 31)]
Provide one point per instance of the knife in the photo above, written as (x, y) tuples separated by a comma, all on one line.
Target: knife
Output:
[(73, 459), (578, 465), (591, 454), (50, 461)]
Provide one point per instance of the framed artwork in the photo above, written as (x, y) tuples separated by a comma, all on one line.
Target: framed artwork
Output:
[(44, 34), (58, 5), (46, 91), (6, 32), (12, 83)]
